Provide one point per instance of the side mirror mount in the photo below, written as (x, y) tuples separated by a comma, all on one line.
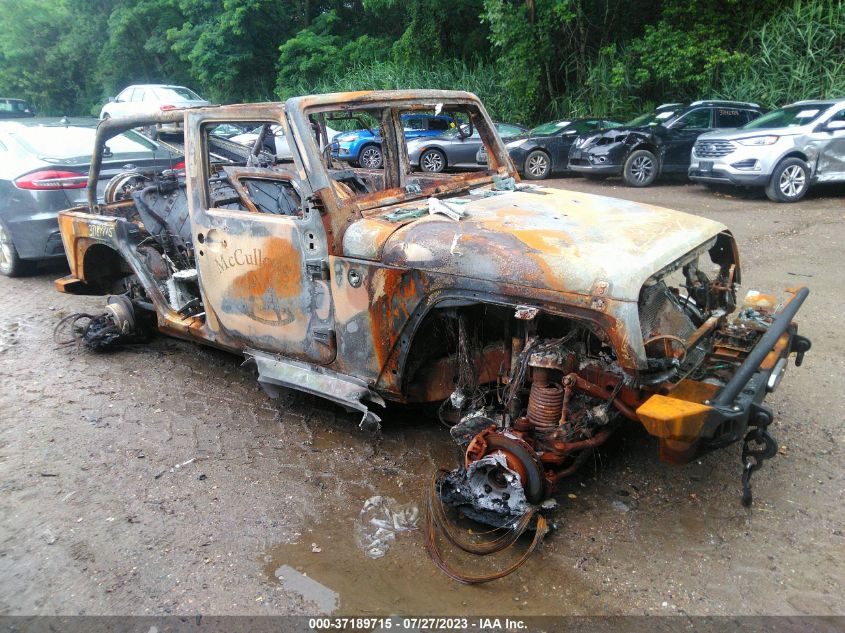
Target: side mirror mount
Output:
[(112, 99)]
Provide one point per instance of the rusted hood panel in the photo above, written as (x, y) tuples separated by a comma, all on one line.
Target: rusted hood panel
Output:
[(548, 239)]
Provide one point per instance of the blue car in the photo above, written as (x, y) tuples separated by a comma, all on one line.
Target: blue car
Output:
[(362, 148)]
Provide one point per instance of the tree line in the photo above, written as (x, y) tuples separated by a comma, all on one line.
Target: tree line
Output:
[(529, 60)]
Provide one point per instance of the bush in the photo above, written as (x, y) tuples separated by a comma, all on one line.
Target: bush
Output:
[(798, 54), (483, 79)]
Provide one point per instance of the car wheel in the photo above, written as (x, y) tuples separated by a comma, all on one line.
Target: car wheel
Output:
[(789, 182), (433, 160), (370, 157), (537, 165), (11, 264), (640, 169)]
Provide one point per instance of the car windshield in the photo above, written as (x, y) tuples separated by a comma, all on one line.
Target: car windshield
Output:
[(65, 143), (177, 93), (13, 105), (651, 118), (791, 116), (547, 129)]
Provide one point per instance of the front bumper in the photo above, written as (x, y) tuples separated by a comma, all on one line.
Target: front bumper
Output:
[(724, 176), (341, 152), (593, 162), (745, 165), (691, 421)]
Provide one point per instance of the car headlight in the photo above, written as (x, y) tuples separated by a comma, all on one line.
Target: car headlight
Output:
[(759, 140), (516, 143)]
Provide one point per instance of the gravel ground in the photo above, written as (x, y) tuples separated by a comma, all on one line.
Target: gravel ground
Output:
[(96, 517)]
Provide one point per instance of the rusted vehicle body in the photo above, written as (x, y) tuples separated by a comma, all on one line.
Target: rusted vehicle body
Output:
[(540, 320)]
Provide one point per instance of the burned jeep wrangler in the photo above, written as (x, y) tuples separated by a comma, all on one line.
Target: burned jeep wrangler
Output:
[(541, 320)]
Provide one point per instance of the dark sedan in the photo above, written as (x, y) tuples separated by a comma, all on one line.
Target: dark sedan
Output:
[(545, 149), (44, 169)]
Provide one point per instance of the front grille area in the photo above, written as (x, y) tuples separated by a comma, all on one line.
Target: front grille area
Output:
[(713, 149)]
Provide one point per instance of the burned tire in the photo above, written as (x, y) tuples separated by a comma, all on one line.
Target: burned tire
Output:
[(789, 182), (538, 165), (11, 265), (433, 160), (640, 169), (370, 157)]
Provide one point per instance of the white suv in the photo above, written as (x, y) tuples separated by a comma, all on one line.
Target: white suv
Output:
[(785, 151), (152, 99)]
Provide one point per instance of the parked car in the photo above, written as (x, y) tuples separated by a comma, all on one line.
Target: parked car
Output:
[(152, 99), (785, 151), (276, 142), (655, 143), (545, 149), (362, 147), (539, 321), (457, 147), (44, 168), (15, 109)]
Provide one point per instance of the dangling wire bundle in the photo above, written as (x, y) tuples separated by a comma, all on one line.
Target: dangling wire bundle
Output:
[(436, 520), (98, 331), (94, 331)]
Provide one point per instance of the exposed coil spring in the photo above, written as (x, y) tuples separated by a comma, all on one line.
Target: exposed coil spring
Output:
[(545, 403)]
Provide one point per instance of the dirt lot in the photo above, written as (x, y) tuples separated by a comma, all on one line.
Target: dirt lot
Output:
[(94, 519)]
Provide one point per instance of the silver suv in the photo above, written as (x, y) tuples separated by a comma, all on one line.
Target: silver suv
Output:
[(785, 151)]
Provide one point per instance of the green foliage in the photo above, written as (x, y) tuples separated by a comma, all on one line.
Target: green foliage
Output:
[(529, 60), (54, 76), (798, 54)]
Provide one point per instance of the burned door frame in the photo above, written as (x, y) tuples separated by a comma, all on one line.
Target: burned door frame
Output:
[(264, 276)]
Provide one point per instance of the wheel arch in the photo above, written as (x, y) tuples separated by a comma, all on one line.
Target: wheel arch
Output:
[(797, 153), (417, 377), (101, 267), (366, 144)]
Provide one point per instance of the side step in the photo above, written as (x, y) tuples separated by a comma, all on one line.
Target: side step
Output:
[(347, 391)]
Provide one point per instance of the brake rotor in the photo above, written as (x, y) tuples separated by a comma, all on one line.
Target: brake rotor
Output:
[(504, 466)]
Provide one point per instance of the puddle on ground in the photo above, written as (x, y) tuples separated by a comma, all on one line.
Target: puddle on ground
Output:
[(345, 580), (330, 573), (311, 591)]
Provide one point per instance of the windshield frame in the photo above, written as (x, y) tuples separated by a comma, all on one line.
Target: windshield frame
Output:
[(820, 108), (556, 127), (300, 109), (650, 119)]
